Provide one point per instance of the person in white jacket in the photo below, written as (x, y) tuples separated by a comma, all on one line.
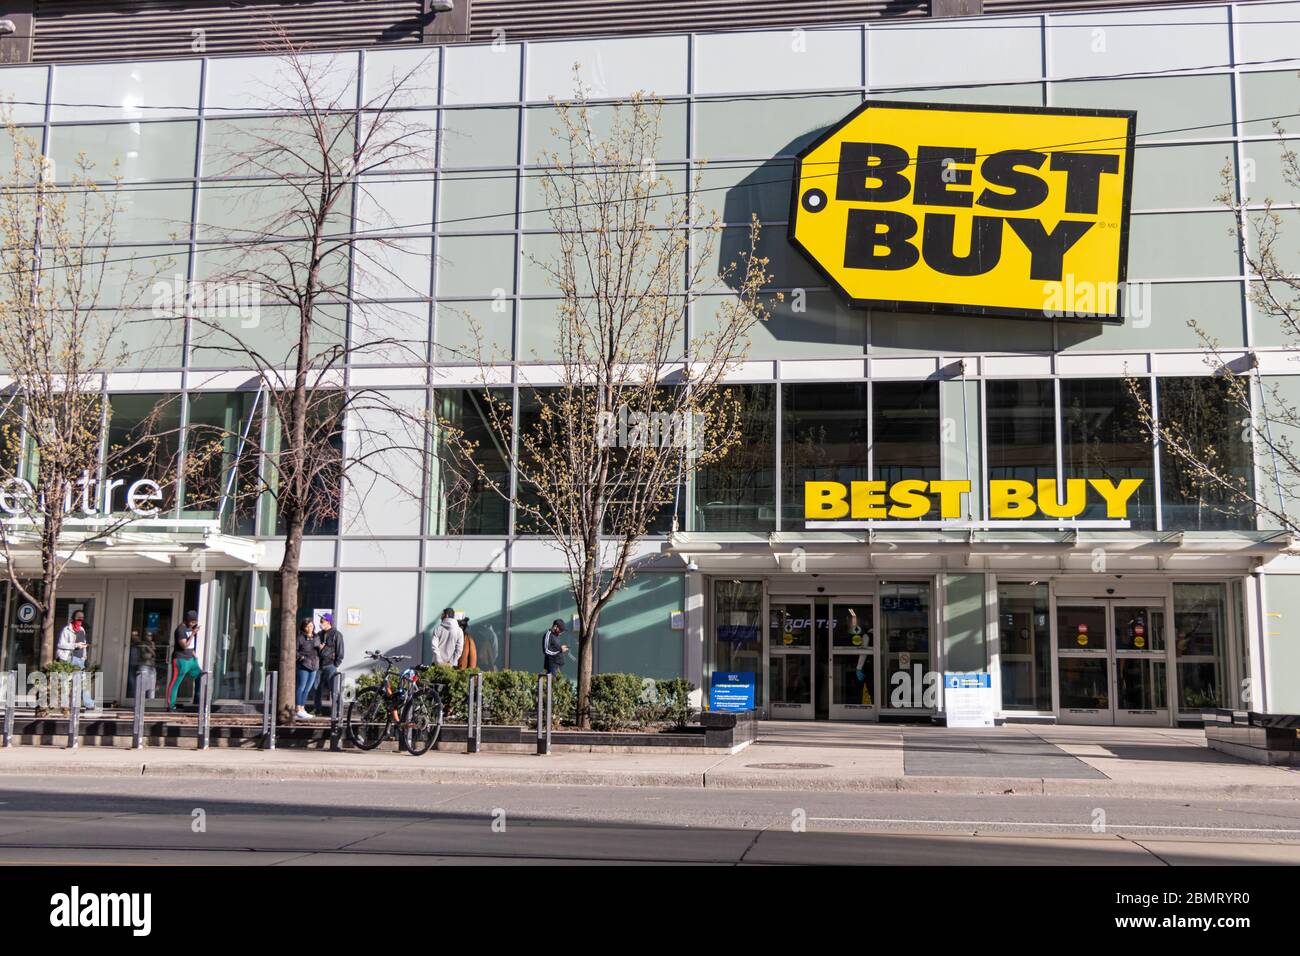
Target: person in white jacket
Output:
[(71, 649), (448, 639)]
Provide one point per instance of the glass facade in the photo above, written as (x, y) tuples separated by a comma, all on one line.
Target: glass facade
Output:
[(828, 392)]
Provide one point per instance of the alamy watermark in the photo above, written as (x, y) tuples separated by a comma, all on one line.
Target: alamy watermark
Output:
[(625, 428), (209, 300)]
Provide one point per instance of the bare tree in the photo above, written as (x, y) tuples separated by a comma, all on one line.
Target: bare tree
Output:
[(601, 456), (1197, 430), (312, 245), (64, 285)]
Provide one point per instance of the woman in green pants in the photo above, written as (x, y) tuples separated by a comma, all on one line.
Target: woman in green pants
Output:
[(184, 663)]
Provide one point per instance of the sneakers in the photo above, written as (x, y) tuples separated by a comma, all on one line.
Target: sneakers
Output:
[(302, 714)]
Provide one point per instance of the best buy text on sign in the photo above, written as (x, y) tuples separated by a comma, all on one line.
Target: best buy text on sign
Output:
[(1009, 498), (979, 210)]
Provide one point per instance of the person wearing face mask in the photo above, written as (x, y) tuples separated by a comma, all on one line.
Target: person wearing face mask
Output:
[(71, 649), (184, 662)]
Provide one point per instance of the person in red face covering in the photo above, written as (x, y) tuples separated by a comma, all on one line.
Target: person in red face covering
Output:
[(71, 649)]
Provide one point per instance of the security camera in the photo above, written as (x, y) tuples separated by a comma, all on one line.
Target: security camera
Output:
[(820, 590), (1110, 590), (692, 565), (441, 6)]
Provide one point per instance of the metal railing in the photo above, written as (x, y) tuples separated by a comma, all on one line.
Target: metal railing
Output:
[(474, 715), (137, 721), (74, 710), (11, 702), (544, 714), (336, 711), (205, 709), (269, 697)]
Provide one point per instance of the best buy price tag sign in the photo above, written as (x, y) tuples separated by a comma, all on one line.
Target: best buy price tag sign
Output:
[(983, 210)]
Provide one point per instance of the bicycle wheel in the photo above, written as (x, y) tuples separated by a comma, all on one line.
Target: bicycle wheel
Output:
[(421, 722), (368, 720)]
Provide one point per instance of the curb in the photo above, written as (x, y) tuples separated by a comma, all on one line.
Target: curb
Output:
[(690, 779)]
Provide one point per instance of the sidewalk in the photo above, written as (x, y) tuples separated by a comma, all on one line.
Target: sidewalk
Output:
[(1055, 761)]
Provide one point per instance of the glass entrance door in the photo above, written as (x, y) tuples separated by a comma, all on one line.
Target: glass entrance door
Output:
[(150, 632), (854, 661), (1112, 662), (790, 659)]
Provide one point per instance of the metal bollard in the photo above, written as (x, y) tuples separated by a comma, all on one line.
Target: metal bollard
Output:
[(205, 709), (474, 716), (269, 696), (336, 712), (74, 714), (544, 714), (11, 701), (137, 722)]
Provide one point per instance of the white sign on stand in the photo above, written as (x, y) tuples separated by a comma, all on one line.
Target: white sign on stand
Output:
[(968, 699)]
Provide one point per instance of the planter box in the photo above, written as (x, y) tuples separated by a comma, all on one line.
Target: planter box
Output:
[(1272, 739)]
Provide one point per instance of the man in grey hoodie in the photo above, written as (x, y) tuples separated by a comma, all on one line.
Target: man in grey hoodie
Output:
[(448, 639)]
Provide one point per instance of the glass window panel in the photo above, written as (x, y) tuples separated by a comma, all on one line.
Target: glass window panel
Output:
[(1008, 94), (1139, 41), (154, 213), (721, 256), (262, 83), (609, 68), (269, 265), (737, 191), (823, 328), (1085, 683), (636, 634), (823, 438), (481, 597), (482, 74), (1182, 245), (1139, 629), (461, 497), (537, 599), (1102, 437), (481, 201), (222, 459), (544, 131), (1141, 684), (668, 192), (142, 89), (901, 332), (1269, 168), (395, 204), (239, 211), (906, 661), (1266, 97), (390, 333), (393, 268), (125, 275), (738, 493), (1081, 628), (744, 62), (275, 146), (476, 265), (1157, 316), (1200, 643), (25, 93), (1025, 647), (1203, 414), (151, 339), (402, 78), (542, 252), (1178, 177), (905, 431), (738, 635), (1181, 107), (143, 444), (1021, 422), (225, 341), (233, 596), (1010, 49), (476, 332), (771, 126), (131, 150), (480, 137)]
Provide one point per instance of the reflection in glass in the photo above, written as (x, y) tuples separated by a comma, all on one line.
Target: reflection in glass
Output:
[(1084, 683), (1200, 639), (1102, 436), (1025, 647), (905, 431), (1021, 429), (906, 661), (738, 635), (823, 438), (790, 678), (1140, 684), (462, 500), (1205, 414), (1081, 628), (738, 492)]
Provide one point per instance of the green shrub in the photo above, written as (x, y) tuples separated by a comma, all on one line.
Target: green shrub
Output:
[(616, 702), (675, 701)]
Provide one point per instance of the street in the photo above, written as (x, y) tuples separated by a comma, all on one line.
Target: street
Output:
[(124, 820)]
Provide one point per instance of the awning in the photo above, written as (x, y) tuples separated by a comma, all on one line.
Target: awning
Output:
[(192, 546)]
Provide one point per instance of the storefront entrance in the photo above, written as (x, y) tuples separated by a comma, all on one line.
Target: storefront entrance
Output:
[(822, 660), (151, 618), (1113, 661)]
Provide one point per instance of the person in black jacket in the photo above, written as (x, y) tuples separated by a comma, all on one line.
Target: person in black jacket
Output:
[(331, 657), (309, 646)]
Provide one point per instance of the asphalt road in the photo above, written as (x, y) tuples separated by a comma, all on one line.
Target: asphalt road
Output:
[(129, 820)]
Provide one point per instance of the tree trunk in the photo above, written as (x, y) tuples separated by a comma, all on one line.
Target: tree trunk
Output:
[(49, 595), (289, 614), (587, 620)]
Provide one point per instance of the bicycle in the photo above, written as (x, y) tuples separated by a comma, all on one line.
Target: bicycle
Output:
[(398, 700)]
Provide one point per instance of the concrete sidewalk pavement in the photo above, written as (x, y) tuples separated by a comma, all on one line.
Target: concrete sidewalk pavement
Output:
[(1055, 761)]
